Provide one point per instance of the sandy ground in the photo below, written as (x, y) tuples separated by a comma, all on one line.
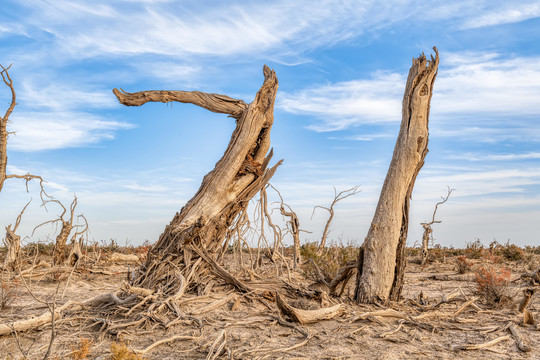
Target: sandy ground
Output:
[(247, 327)]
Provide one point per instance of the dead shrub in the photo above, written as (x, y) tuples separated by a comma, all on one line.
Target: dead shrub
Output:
[(474, 250), (82, 350), (492, 284), (330, 261), (120, 351), (9, 292), (512, 252), (463, 265)]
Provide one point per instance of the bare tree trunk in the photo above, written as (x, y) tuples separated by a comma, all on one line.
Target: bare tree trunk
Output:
[(425, 242), (380, 272), (13, 243), (59, 253), (190, 243)]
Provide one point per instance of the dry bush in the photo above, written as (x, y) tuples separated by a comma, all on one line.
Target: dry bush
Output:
[(82, 350), (437, 254), (120, 351), (474, 250), (9, 292), (330, 261), (463, 265), (492, 284), (512, 252)]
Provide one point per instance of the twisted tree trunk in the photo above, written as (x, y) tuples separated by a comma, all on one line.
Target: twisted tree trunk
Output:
[(381, 262), (189, 245)]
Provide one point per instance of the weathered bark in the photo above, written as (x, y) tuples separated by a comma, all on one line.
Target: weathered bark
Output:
[(380, 275), (225, 191)]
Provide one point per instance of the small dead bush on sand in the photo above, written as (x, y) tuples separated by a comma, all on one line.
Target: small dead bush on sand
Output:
[(329, 261), (9, 292), (120, 351), (474, 250), (81, 350), (492, 282), (463, 265)]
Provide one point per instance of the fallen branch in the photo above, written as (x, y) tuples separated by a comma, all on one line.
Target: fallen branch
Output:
[(521, 346), (165, 341), (481, 346), (383, 313), (217, 346)]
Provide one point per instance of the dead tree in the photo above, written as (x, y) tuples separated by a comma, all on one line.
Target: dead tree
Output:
[(13, 244), (189, 245), (381, 260), (337, 198), (60, 250), (428, 231), (4, 134), (293, 225)]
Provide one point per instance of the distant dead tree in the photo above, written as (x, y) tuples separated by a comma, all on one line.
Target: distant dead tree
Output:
[(337, 198), (381, 259), (187, 250), (4, 134), (293, 225), (67, 226), (428, 231), (13, 243)]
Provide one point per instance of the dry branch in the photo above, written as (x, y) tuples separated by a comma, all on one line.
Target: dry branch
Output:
[(4, 134), (521, 346), (481, 346)]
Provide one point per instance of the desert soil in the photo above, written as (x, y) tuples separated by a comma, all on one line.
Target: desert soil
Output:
[(247, 326)]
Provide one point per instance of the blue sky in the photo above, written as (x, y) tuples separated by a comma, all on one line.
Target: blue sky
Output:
[(342, 67)]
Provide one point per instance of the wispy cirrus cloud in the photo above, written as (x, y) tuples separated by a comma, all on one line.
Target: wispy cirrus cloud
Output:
[(50, 116), (495, 157), (38, 131), (480, 85), (511, 13), (344, 104)]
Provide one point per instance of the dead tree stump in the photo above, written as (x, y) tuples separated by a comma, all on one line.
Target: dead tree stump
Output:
[(190, 244), (381, 264)]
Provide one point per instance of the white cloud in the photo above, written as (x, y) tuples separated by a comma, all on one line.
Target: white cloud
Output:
[(58, 96), (496, 157), (37, 131), (479, 85), (181, 29), (343, 104), (511, 13)]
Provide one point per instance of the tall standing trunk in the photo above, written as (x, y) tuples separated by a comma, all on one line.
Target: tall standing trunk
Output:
[(187, 248), (381, 262)]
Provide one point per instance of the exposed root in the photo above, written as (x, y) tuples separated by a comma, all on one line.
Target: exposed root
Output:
[(306, 316)]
